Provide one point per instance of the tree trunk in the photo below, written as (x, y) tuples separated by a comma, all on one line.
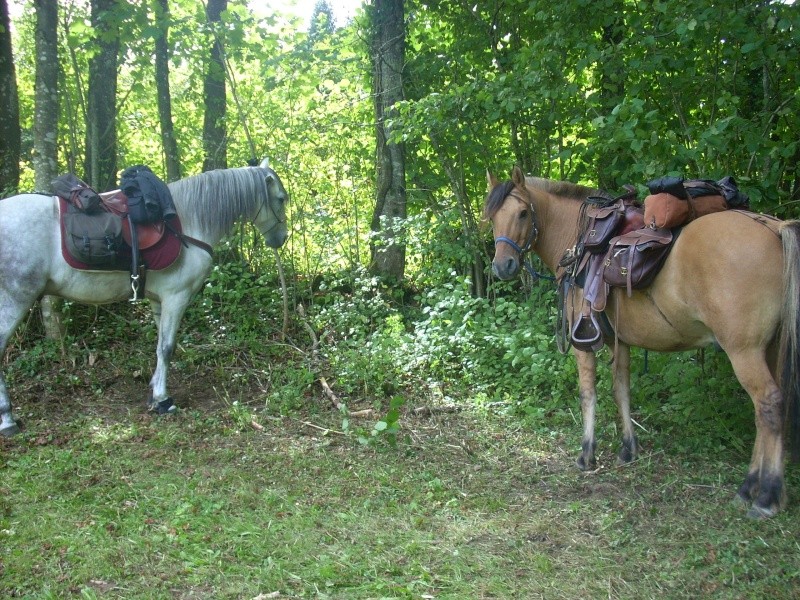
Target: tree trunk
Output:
[(101, 129), (388, 54), (10, 136), (45, 131), (163, 53), (45, 121), (612, 92), (215, 142), (469, 226)]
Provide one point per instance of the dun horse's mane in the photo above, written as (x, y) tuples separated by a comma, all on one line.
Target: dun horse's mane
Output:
[(562, 189), (215, 200)]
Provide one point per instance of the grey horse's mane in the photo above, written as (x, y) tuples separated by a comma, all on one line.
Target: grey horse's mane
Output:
[(198, 198)]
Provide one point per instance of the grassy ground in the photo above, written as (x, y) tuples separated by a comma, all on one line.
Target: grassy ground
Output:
[(100, 500)]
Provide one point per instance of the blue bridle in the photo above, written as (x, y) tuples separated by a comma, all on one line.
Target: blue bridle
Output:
[(522, 250)]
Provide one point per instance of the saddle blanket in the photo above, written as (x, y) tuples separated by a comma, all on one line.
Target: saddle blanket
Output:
[(155, 257)]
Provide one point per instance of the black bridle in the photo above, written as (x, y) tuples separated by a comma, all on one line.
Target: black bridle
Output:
[(269, 203)]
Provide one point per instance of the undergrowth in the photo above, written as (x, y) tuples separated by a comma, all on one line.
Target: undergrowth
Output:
[(376, 342)]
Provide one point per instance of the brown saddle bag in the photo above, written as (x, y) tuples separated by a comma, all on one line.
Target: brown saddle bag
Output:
[(634, 259)]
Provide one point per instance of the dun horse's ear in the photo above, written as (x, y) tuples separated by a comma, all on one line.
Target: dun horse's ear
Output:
[(491, 180), (264, 163), (517, 177)]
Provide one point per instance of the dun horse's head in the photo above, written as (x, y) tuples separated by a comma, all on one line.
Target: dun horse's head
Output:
[(509, 208)]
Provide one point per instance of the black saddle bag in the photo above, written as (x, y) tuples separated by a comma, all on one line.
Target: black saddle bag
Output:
[(93, 239), (149, 198)]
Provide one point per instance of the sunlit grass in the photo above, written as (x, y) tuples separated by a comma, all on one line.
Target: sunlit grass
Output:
[(465, 507)]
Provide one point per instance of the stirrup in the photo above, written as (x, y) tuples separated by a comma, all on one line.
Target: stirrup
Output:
[(586, 334)]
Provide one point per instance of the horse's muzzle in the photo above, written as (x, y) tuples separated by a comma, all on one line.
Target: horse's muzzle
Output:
[(276, 238), (505, 267)]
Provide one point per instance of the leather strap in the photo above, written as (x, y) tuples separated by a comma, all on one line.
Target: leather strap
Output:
[(187, 239)]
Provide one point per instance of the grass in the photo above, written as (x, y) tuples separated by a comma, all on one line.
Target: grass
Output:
[(101, 502), (99, 499)]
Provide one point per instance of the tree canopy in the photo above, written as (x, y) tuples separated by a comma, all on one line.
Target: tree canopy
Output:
[(603, 92)]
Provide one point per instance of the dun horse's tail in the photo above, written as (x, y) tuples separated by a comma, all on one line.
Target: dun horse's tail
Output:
[(790, 332)]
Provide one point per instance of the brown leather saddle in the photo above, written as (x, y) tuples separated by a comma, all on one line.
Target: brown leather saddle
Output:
[(614, 249), (147, 234)]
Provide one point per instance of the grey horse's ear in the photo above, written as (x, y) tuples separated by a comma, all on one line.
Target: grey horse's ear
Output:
[(264, 163)]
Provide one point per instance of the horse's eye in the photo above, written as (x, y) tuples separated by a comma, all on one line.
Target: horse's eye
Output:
[(523, 214)]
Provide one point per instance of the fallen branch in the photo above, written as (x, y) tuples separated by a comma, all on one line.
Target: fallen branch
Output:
[(326, 389), (367, 412), (323, 429), (436, 410), (315, 360)]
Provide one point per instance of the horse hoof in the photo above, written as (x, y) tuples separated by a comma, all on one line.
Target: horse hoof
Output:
[(9, 431), (759, 513), (583, 465), (165, 407)]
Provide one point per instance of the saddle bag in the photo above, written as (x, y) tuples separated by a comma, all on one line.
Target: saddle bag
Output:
[(634, 259), (93, 239), (603, 221), (76, 192), (674, 202)]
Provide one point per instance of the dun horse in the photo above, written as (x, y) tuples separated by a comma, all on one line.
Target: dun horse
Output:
[(728, 280), (208, 205)]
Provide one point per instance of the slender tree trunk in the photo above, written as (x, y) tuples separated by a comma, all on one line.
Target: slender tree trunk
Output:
[(10, 135), (168, 140), (45, 131), (215, 142), (612, 88), (388, 56), (469, 226), (101, 128), (46, 109)]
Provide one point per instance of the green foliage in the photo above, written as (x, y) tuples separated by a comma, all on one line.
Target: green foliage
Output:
[(501, 353), (693, 401)]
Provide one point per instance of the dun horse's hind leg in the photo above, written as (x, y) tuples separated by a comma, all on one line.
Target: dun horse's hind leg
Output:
[(763, 485), (587, 377)]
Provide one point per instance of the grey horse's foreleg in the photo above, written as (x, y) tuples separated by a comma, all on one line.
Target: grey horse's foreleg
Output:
[(167, 317), (8, 426)]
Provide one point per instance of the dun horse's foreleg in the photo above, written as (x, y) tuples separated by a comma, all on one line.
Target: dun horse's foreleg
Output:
[(167, 318), (763, 486), (587, 377), (622, 395)]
